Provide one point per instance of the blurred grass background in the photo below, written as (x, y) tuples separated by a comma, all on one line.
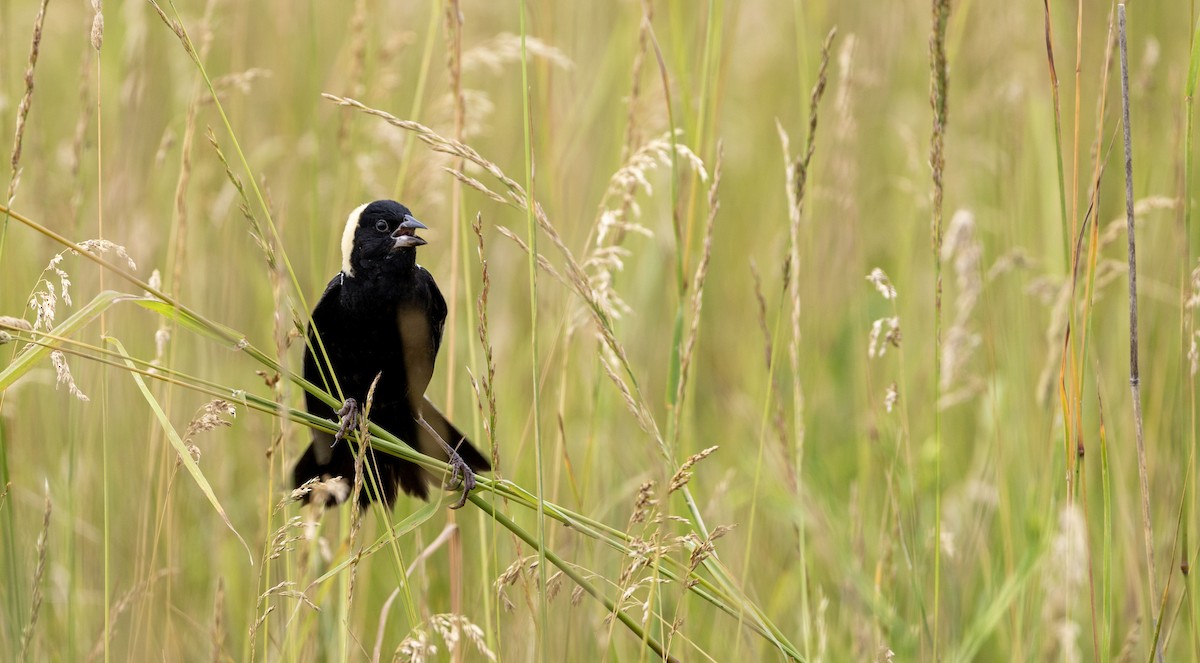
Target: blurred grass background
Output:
[(831, 491)]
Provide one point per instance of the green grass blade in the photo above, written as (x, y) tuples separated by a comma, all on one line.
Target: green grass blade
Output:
[(406, 526), (27, 359), (180, 448)]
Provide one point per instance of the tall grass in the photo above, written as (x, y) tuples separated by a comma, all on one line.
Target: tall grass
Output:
[(671, 481)]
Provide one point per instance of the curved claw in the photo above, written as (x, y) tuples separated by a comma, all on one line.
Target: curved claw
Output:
[(348, 421), (460, 471)]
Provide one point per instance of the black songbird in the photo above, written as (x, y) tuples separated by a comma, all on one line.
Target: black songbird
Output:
[(381, 315)]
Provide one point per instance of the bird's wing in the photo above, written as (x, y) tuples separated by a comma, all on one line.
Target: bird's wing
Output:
[(437, 308), (420, 326), (315, 364), (436, 320)]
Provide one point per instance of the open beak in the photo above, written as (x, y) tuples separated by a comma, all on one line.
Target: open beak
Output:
[(406, 234)]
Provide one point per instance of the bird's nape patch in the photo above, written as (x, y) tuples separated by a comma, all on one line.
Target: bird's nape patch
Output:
[(348, 238)]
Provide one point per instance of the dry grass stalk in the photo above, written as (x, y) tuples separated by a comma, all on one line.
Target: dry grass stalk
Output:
[(938, 82), (778, 418), (615, 221), (97, 33), (882, 283), (175, 27), (81, 127), (763, 326), (963, 248), (476, 185), (284, 589), (485, 342), (99, 247), (238, 81), (209, 418), (181, 186), (640, 413), (684, 474), (117, 609), (64, 376), (505, 48), (24, 106), (796, 173), (685, 364), (383, 616), (879, 339), (415, 648), (1129, 646), (39, 575), (218, 629), (455, 629), (543, 262), (358, 61), (844, 165), (257, 625), (256, 231), (632, 134), (702, 550), (645, 504), (14, 323), (1066, 574)]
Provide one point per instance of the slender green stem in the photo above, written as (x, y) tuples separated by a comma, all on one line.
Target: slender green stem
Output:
[(530, 203)]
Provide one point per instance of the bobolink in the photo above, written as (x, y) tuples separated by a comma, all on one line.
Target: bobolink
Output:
[(381, 315)]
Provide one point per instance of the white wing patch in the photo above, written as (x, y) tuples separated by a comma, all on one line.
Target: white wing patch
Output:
[(348, 238)]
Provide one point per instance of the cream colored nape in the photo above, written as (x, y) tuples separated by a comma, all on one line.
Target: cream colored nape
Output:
[(348, 238)]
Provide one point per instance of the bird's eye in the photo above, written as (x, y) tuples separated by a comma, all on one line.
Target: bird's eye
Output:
[(381, 226)]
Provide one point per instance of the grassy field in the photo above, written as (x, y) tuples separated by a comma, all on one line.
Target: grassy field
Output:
[(720, 432)]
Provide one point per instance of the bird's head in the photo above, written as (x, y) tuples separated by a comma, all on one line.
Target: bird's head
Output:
[(378, 232)]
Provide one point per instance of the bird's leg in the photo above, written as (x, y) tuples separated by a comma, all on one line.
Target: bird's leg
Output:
[(348, 421), (460, 472)]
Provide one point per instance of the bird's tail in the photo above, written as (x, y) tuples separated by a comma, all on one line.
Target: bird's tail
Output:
[(332, 464)]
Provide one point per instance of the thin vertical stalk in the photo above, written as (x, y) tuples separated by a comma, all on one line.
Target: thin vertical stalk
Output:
[(97, 39), (1062, 188), (14, 177), (1189, 325), (1134, 375), (937, 158), (527, 126), (458, 246)]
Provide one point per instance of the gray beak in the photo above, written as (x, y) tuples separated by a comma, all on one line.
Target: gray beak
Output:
[(405, 235), (412, 224)]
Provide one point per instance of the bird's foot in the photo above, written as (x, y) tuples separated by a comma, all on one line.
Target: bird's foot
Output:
[(461, 474), (348, 421)]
